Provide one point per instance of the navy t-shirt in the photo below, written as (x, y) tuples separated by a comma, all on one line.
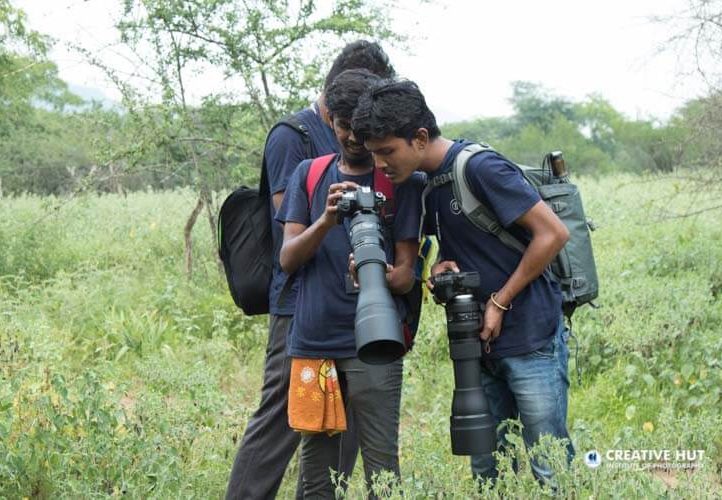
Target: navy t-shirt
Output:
[(536, 310), (284, 150), (323, 325)]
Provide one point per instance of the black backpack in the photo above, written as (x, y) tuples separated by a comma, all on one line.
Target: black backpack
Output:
[(245, 240)]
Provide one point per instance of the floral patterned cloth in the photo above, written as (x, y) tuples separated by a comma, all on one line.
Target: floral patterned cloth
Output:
[(315, 403)]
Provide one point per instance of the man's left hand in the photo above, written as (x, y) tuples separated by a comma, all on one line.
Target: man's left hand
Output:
[(493, 317), (354, 275)]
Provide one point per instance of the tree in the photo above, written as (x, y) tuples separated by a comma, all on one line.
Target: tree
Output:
[(697, 39), (274, 49), (29, 88), (488, 130), (534, 105)]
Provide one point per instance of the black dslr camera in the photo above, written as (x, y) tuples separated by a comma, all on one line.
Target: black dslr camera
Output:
[(450, 285), (472, 427), (379, 338), (361, 200)]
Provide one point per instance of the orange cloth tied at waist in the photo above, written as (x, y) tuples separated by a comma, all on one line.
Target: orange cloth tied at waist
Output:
[(314, 397)]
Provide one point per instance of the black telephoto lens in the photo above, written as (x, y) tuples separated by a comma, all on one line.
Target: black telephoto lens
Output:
[(473, 430), (379, 336), (472, 426)]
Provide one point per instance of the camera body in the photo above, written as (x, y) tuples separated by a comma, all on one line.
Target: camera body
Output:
[(472, 427), (450, 285), (362, 200)]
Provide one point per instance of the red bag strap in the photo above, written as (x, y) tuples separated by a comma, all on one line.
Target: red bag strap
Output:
[(315, 172), (383, 185)]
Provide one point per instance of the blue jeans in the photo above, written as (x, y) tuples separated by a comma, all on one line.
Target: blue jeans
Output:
[(532, 387)]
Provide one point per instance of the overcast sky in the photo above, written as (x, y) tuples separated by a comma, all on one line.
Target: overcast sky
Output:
[(465, 53)]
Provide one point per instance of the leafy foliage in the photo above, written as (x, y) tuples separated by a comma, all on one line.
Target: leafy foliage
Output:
[(274, 51), (596, 138), (119, 376), (29, 88)]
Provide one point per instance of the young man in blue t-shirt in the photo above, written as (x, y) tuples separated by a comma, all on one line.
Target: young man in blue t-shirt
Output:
[(525, 364), (317, 249), (268, 442)]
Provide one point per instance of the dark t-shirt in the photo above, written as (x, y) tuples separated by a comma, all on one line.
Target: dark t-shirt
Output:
[(536, 310), (323, 325), (284, 150)]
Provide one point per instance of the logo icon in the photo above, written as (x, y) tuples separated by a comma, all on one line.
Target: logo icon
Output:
[(593, 459), (455, 206)]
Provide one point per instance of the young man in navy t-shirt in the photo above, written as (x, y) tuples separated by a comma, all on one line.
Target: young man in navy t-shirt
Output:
[(525, 364), (268, 442), (317, 249)]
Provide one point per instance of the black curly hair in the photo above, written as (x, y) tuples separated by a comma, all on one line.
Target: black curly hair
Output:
[(393, 107), (343, 94), (361, 54)]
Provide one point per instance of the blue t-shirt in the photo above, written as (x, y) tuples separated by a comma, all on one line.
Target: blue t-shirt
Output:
[(323, 325), (284, 150), (534, 317)]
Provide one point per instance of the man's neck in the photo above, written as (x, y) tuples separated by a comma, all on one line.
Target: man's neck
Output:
[(437, 149), (355, 168), (323, 110)]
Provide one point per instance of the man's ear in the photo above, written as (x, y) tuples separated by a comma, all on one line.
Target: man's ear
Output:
[(421, 138), (323, 109)]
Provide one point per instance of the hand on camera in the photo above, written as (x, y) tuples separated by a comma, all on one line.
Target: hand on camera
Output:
[(335, 191), (352, 270), (445, 266)]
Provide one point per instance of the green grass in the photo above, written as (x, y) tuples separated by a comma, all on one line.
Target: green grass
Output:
[(121, 376)]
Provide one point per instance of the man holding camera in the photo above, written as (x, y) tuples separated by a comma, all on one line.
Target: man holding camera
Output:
[(268, 442), (524, 372), (316, 247)]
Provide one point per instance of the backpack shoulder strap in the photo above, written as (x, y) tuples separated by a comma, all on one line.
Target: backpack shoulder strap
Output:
[(296, 124), (478, 213), (315, 172), (446, 177)]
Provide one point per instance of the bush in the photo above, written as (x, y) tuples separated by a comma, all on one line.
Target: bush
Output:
[(121, 376)]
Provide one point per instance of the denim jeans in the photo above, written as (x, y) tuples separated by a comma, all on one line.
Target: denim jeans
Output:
[(532, 387)]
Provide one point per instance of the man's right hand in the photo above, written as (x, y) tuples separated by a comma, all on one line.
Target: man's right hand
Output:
[(335, 191), (445, 266)]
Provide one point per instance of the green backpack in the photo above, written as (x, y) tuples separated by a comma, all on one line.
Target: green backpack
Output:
[(574, 268)]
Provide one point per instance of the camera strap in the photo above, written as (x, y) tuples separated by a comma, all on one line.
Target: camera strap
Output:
[(315, 172)]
